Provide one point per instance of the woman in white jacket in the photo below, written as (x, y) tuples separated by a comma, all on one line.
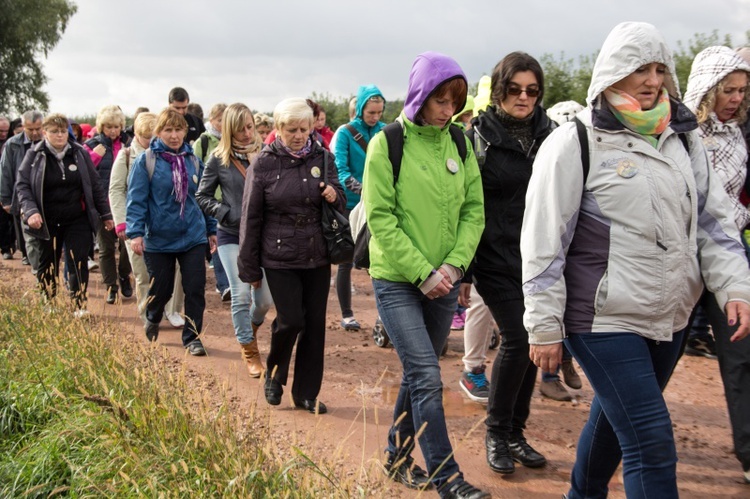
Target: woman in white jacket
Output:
[(614, 258)]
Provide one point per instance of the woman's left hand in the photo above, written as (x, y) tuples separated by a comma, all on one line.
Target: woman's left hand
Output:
[(212, 243), (546, 357), (738, 310), (329, 193)]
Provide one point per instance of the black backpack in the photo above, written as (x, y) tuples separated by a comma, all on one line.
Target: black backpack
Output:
[(394, 137)]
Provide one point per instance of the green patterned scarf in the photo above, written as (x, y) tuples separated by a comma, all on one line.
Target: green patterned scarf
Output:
[(649, 123)]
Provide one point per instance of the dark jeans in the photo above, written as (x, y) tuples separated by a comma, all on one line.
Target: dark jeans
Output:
[(734, 365), (344, 284), (629, 418), (513, 373), (301, 297), (76, 239), (20, 241), (7, 232), (161, 270), (109, 244), (419, 328)]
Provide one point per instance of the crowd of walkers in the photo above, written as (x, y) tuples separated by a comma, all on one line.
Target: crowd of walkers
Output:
[(612, 234)]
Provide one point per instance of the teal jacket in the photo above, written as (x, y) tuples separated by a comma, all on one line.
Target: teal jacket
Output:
[(431, 216), (350, 157)]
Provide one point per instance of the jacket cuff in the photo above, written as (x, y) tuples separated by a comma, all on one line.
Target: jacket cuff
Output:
[(120, 227), (431, 282), (546, 337)]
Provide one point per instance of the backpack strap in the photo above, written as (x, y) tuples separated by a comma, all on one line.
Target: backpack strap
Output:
[(684, 140), (150, 162), (204, 147), (460, 139), (394, 136), (358, 138), (583, 138)]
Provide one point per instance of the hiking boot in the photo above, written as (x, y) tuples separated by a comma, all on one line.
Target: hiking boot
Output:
[(406, 472), (475, 385), (195, 348), (152, 330), (313, 406), (701, 347), (555, 390), (570, 376), (111, 295), (499, 457), (125, 287), (251, 356), (273, 390), (525, 454), (462, 490), (350, 324)]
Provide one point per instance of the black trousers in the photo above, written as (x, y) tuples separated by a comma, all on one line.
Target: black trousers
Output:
[(7, 232), (76, 238), (513, 373), (161, 270), (301, 298), (20, 241)]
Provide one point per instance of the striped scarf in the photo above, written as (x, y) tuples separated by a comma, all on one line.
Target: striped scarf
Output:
[(179, 178), (649, 123)]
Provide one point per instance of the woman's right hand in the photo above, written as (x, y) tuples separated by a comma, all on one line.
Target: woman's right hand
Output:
[(546, 357), (35, 221), (136, 244), (464, 295)]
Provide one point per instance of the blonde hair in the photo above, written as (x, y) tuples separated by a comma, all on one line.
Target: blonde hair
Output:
[(144, 124), (110, 115), (263, 120), (235, 117), (170, 117), (216, 111), (289, 110), (708, 102), (55, 120)]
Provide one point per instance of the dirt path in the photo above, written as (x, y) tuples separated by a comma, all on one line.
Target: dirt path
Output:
[(361, 381)]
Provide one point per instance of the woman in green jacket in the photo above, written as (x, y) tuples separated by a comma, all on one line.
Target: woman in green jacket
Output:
[(425, 228)]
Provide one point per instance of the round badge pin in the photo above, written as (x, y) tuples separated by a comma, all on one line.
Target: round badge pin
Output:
[(195, 179), (72, 168), (451, 165), (626, 169), (315, 172)]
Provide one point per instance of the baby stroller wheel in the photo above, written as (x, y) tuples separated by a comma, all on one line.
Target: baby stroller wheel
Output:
[(379, 334)]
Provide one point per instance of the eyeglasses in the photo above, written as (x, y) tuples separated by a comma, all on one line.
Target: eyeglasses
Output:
[(530, 92)]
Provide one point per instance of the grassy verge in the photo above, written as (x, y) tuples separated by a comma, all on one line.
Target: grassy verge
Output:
[(86, 412)]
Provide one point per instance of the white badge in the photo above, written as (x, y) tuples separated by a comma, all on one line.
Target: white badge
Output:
[(451, 165), (195, 179), (315, 172), (72, 168)]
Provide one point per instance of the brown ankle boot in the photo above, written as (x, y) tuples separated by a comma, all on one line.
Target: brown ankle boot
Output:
[(251, 355)]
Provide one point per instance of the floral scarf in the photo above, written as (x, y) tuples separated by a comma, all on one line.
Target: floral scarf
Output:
[(650, 123), (179, 177), (302, 152)]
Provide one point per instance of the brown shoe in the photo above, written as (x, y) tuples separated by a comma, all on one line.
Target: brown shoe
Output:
[(555, 390), (251, 355), (570, 376)]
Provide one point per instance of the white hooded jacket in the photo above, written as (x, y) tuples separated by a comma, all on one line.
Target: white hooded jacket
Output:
[(626, 249)]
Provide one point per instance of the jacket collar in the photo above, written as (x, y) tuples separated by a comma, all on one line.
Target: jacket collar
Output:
[(491, 129)]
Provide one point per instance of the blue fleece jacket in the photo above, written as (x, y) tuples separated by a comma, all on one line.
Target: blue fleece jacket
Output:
[(350, 157)]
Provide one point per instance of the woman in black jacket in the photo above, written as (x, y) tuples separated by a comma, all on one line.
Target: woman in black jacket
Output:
[(280, 233), (61, 202), (508, 134)]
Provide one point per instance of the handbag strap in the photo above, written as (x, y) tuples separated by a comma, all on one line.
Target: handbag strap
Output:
[(236, 162)]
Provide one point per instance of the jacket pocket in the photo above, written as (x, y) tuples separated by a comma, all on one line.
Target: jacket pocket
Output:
[(278, 243), (602, 290)]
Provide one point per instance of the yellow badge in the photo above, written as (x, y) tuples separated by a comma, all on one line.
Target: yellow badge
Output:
[(315, 172)]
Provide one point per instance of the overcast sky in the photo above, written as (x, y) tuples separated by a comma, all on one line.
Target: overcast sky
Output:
[(131, 53)]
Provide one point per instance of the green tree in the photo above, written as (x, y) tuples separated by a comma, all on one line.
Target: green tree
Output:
[(29, 29), (564, 79)]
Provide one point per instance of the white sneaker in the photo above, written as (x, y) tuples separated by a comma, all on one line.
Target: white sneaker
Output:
[(81, 313), (93, 265), (175, 319)]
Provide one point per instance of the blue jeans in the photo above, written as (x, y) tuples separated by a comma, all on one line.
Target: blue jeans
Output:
[(418, 328), (629, 418), (222, 280), (244, 315)]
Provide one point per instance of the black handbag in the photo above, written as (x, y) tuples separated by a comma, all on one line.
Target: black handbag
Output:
[(362, 248), (336, 229)]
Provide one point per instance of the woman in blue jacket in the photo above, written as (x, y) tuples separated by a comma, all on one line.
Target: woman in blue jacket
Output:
[(350, 150), (166, 225)]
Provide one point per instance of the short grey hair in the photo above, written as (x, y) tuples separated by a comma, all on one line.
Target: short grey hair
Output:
[(289, 110), (32, 116), (4, 118)]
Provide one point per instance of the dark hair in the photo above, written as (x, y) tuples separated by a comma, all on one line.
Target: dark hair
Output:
[(316, 109), (178, 94), (195, 109), (507, 67)]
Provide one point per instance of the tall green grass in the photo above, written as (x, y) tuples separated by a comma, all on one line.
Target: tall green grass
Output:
[(85, 411)]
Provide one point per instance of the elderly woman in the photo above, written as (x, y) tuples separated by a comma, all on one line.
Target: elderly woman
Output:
[(613, 258), (280, 233), (62, 203), (717, 94), (509, 133), (103, 148), (425, 226), (166, 226), (228, 169)]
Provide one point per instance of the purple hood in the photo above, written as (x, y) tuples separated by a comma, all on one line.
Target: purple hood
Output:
[(429, 70)]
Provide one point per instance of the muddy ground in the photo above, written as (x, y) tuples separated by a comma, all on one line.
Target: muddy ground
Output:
[(361, 381)]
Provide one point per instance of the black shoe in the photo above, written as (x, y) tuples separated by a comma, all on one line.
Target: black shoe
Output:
[(25, 261), (313, 406), (111, 294), (525, 454), (462, 490), (125, 287), (702, 347), (152, 330), (7, 255), (195, 348), (226, 295), (499, 457), (273, 391), (406, 472)]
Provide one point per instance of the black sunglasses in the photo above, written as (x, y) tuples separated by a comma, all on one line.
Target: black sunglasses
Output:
[(531, 92)]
